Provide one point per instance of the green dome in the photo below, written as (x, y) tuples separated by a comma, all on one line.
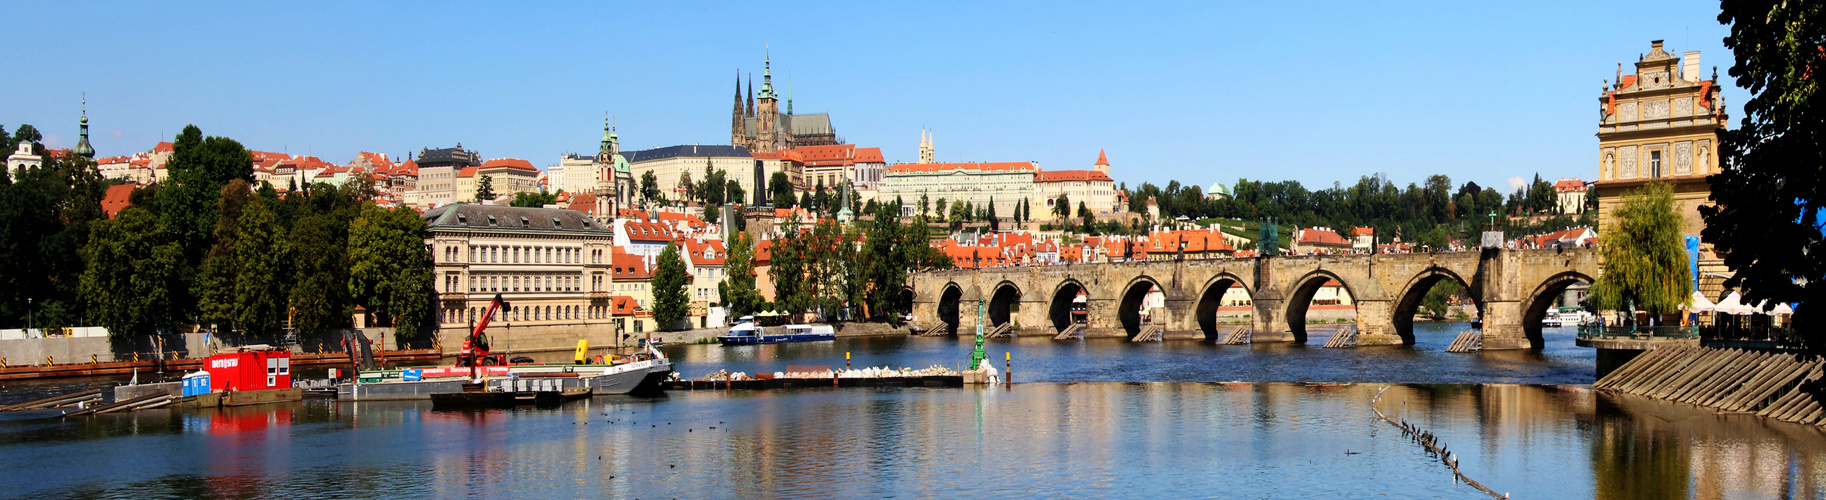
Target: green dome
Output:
[(1218, 188)]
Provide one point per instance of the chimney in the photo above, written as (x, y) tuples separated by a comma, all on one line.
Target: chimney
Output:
[(1689, 66)]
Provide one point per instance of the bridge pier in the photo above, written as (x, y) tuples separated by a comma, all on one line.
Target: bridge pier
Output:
[(1503, 326), (1376, 325)]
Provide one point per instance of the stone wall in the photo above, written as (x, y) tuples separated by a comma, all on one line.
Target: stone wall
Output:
[(86, 349)]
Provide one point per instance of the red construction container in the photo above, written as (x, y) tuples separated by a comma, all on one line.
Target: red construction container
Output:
[(250, 370)]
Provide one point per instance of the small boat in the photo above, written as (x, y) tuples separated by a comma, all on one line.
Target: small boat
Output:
[(747, 333), (1552, 319), (486, 396)]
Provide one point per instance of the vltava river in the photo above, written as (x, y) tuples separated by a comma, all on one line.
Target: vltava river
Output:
[(1084, 427)]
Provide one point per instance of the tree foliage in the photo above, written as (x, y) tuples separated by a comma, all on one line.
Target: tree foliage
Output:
[(738, 287), (782, 187), (261, 256), (1645, 263), (1771, 190), (534, 200), (670, 299), (135, 276), (485, 188), (389, 271), (1436, 302)]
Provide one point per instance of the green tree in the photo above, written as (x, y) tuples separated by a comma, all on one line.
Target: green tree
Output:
[(534, 200), (924, 205), (670, 300), (136, 273), (1645, 263), (198, 168), (319, 298), (649, 186), (1435, 304), (787, 267), (261, 260), (686, 188), (995, 223), (1062, 207), (805, 201), (485, 188), (957, 215), (782, 187), (734, 193), (738, 287), (1771, 191), (389, 272)]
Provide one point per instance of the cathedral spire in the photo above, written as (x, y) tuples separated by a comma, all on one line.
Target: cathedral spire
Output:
[(767, 77), (750, 111), (82, 145), (789, 95)]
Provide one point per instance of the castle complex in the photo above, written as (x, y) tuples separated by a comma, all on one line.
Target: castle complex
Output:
[(758, 124)]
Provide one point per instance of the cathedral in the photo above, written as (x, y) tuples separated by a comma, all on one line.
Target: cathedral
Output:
[(758, 124)]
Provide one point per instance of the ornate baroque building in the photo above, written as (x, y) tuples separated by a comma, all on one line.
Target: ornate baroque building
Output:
[(1661, 124), (614, 181), (758, 125)]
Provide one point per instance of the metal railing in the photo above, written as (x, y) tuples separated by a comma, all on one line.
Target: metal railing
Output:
[(1638, 332), (1779, 336)]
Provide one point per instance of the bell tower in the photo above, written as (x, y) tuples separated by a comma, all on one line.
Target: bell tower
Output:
[(767, 113)]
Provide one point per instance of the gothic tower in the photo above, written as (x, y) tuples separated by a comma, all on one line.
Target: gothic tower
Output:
[(736, 117), (767, 114)]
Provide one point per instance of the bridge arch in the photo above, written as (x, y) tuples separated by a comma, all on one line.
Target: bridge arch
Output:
[(1210, 299), (907, 297), (1301, 298), (948, 300), (1060, 308), (1415, 291), (1006, 295), (1536, 303), (1134, 297)]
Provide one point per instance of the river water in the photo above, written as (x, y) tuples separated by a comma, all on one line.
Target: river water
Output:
[(1097, 418)]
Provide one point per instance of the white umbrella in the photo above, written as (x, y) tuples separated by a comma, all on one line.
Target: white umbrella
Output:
[(1700, 304), (1781, 308), (1733, 304)]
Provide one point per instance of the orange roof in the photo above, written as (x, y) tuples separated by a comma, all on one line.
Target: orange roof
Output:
[(1361, 231), (629, 267), (1070, 176), (163, 147), (410, 167), (784, 154), (467, 172), (1321, 236), (261, 156), (582, 202), (1569, 185), (624, 305), (118, 198), (511, 163), (929, 168), (713, 248), (1101, 159), (763, 252), (836, 154), (647, 231), (869, 155)]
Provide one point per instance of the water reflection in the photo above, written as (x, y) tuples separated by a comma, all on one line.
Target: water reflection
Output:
[(1044, 439)]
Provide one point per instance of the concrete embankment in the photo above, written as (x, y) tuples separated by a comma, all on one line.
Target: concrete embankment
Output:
[(1767, 384)]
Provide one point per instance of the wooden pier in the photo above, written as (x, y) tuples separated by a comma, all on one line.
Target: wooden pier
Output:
[(149, 365)]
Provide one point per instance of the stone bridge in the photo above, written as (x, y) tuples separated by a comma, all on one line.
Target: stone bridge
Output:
[(1512, 288)]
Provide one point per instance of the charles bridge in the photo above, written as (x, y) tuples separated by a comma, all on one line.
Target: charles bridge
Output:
[(1513, 290)]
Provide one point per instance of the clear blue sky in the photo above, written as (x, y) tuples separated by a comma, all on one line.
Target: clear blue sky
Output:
[(1198, 92)]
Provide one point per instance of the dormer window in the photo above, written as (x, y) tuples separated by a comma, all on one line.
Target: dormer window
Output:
[(462, 219), (525, 223), (556, 224), (492, 221)]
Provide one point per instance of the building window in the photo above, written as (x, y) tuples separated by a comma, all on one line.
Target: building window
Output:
[(1654, 164)]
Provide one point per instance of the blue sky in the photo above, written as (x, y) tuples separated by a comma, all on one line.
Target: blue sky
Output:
[(1196, 92)]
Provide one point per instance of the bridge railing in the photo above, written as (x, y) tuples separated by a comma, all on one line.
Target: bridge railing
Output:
[(1638, 332)]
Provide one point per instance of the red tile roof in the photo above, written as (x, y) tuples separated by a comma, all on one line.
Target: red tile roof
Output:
[(697, 251), (163, 147), (118, 198), (1321, 236), (467, 172), (928, 168), (1071, 176), (624, 305), (1569, 185), (582, 202), (629, 267), (784, 154), (1101, 159), (510, 163), (869, 155)]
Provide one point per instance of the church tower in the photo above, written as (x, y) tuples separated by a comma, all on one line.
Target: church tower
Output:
[(82, 145), (925, 147), (1103, 163), (607, 193), (767, 114), (736, 117)]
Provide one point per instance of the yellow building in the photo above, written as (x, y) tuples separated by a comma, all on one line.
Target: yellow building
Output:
[(1661, 124)]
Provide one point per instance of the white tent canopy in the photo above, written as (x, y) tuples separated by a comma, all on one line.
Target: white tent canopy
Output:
[(1733, 304), (1700, 304), (1780, 308)]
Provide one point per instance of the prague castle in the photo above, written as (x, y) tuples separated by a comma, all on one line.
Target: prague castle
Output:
[(758, 124)]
